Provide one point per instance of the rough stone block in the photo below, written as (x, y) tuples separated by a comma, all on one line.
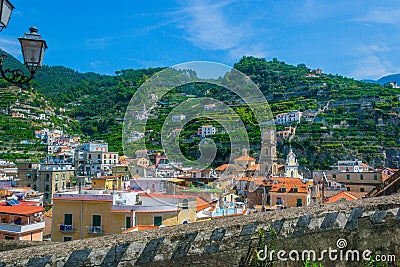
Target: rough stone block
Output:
[(378, 216), (39, 262), (77, 258), (182, 248), (114, 255), (302, 224), (150, 251), (352, 222), (329, 221)]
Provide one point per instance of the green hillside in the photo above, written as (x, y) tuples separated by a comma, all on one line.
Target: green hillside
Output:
[(346, 118)]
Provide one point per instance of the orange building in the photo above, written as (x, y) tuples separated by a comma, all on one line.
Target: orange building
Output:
[(21, 220), (290, 192)]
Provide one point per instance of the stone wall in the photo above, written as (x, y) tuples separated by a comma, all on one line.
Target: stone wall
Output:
[(372, 224)]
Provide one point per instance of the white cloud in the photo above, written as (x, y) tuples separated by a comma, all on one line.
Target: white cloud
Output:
[(209, 26), (11, 46), (372, 67), (381, 16)]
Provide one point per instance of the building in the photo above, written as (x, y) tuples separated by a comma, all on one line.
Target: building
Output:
[(289, 192), (21, 220), (45, 178), (268, 159), (245, 161), (276, 192), (351, 166), (99, 162), (111, 182), (141, 153), (209, 107), (362, 182), (293, 116), (179, 117), (341, 196), (84, 214), (96, 146), (206, 130), (292, 166)]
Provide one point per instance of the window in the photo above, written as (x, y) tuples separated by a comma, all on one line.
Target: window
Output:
[(295, 190), (375, 177), (90, 156), (157, 220), (279, 201), (96, 220), (334, 176), (348, 188), (8, 237), (68, 219), (299, 202), (115, 156), (98, 156), (67, 238), (105, 156), (47, 177), (362, 189), (128, 222), (361, 177), (348, 177), (282, 189), (105, 161), (56, 177), (47, 188)]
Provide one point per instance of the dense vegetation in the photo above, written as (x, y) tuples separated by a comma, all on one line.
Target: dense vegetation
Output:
[(347, 118)]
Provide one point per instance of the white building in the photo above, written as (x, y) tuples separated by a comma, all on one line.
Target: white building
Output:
[(180, 117), (292, 166), (206, 130), (351, 166), (288, 118)]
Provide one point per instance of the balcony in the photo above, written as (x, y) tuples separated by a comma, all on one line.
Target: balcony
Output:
[(66, 228), (17, 228), (95, 229)]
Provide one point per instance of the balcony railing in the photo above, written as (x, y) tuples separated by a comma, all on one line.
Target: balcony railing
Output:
[(17, 228), (66, 228), (95, 229)]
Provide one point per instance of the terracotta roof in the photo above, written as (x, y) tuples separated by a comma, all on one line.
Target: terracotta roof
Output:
[(140, 228), (201, 204), (254, 167), (245, 157), (343, 195), (234, 167), (25, 208), (222, 167)]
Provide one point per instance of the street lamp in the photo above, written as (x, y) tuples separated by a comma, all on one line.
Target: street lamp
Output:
[(5, 13), (33, 47)]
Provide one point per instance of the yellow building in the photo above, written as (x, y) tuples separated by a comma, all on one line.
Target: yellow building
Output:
[(91, 213), (107, 183)]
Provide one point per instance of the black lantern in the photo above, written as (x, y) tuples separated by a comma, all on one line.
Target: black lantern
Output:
[(33, 47), (6, 9)]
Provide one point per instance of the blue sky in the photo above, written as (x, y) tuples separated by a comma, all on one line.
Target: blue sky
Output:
[(355, 38)]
